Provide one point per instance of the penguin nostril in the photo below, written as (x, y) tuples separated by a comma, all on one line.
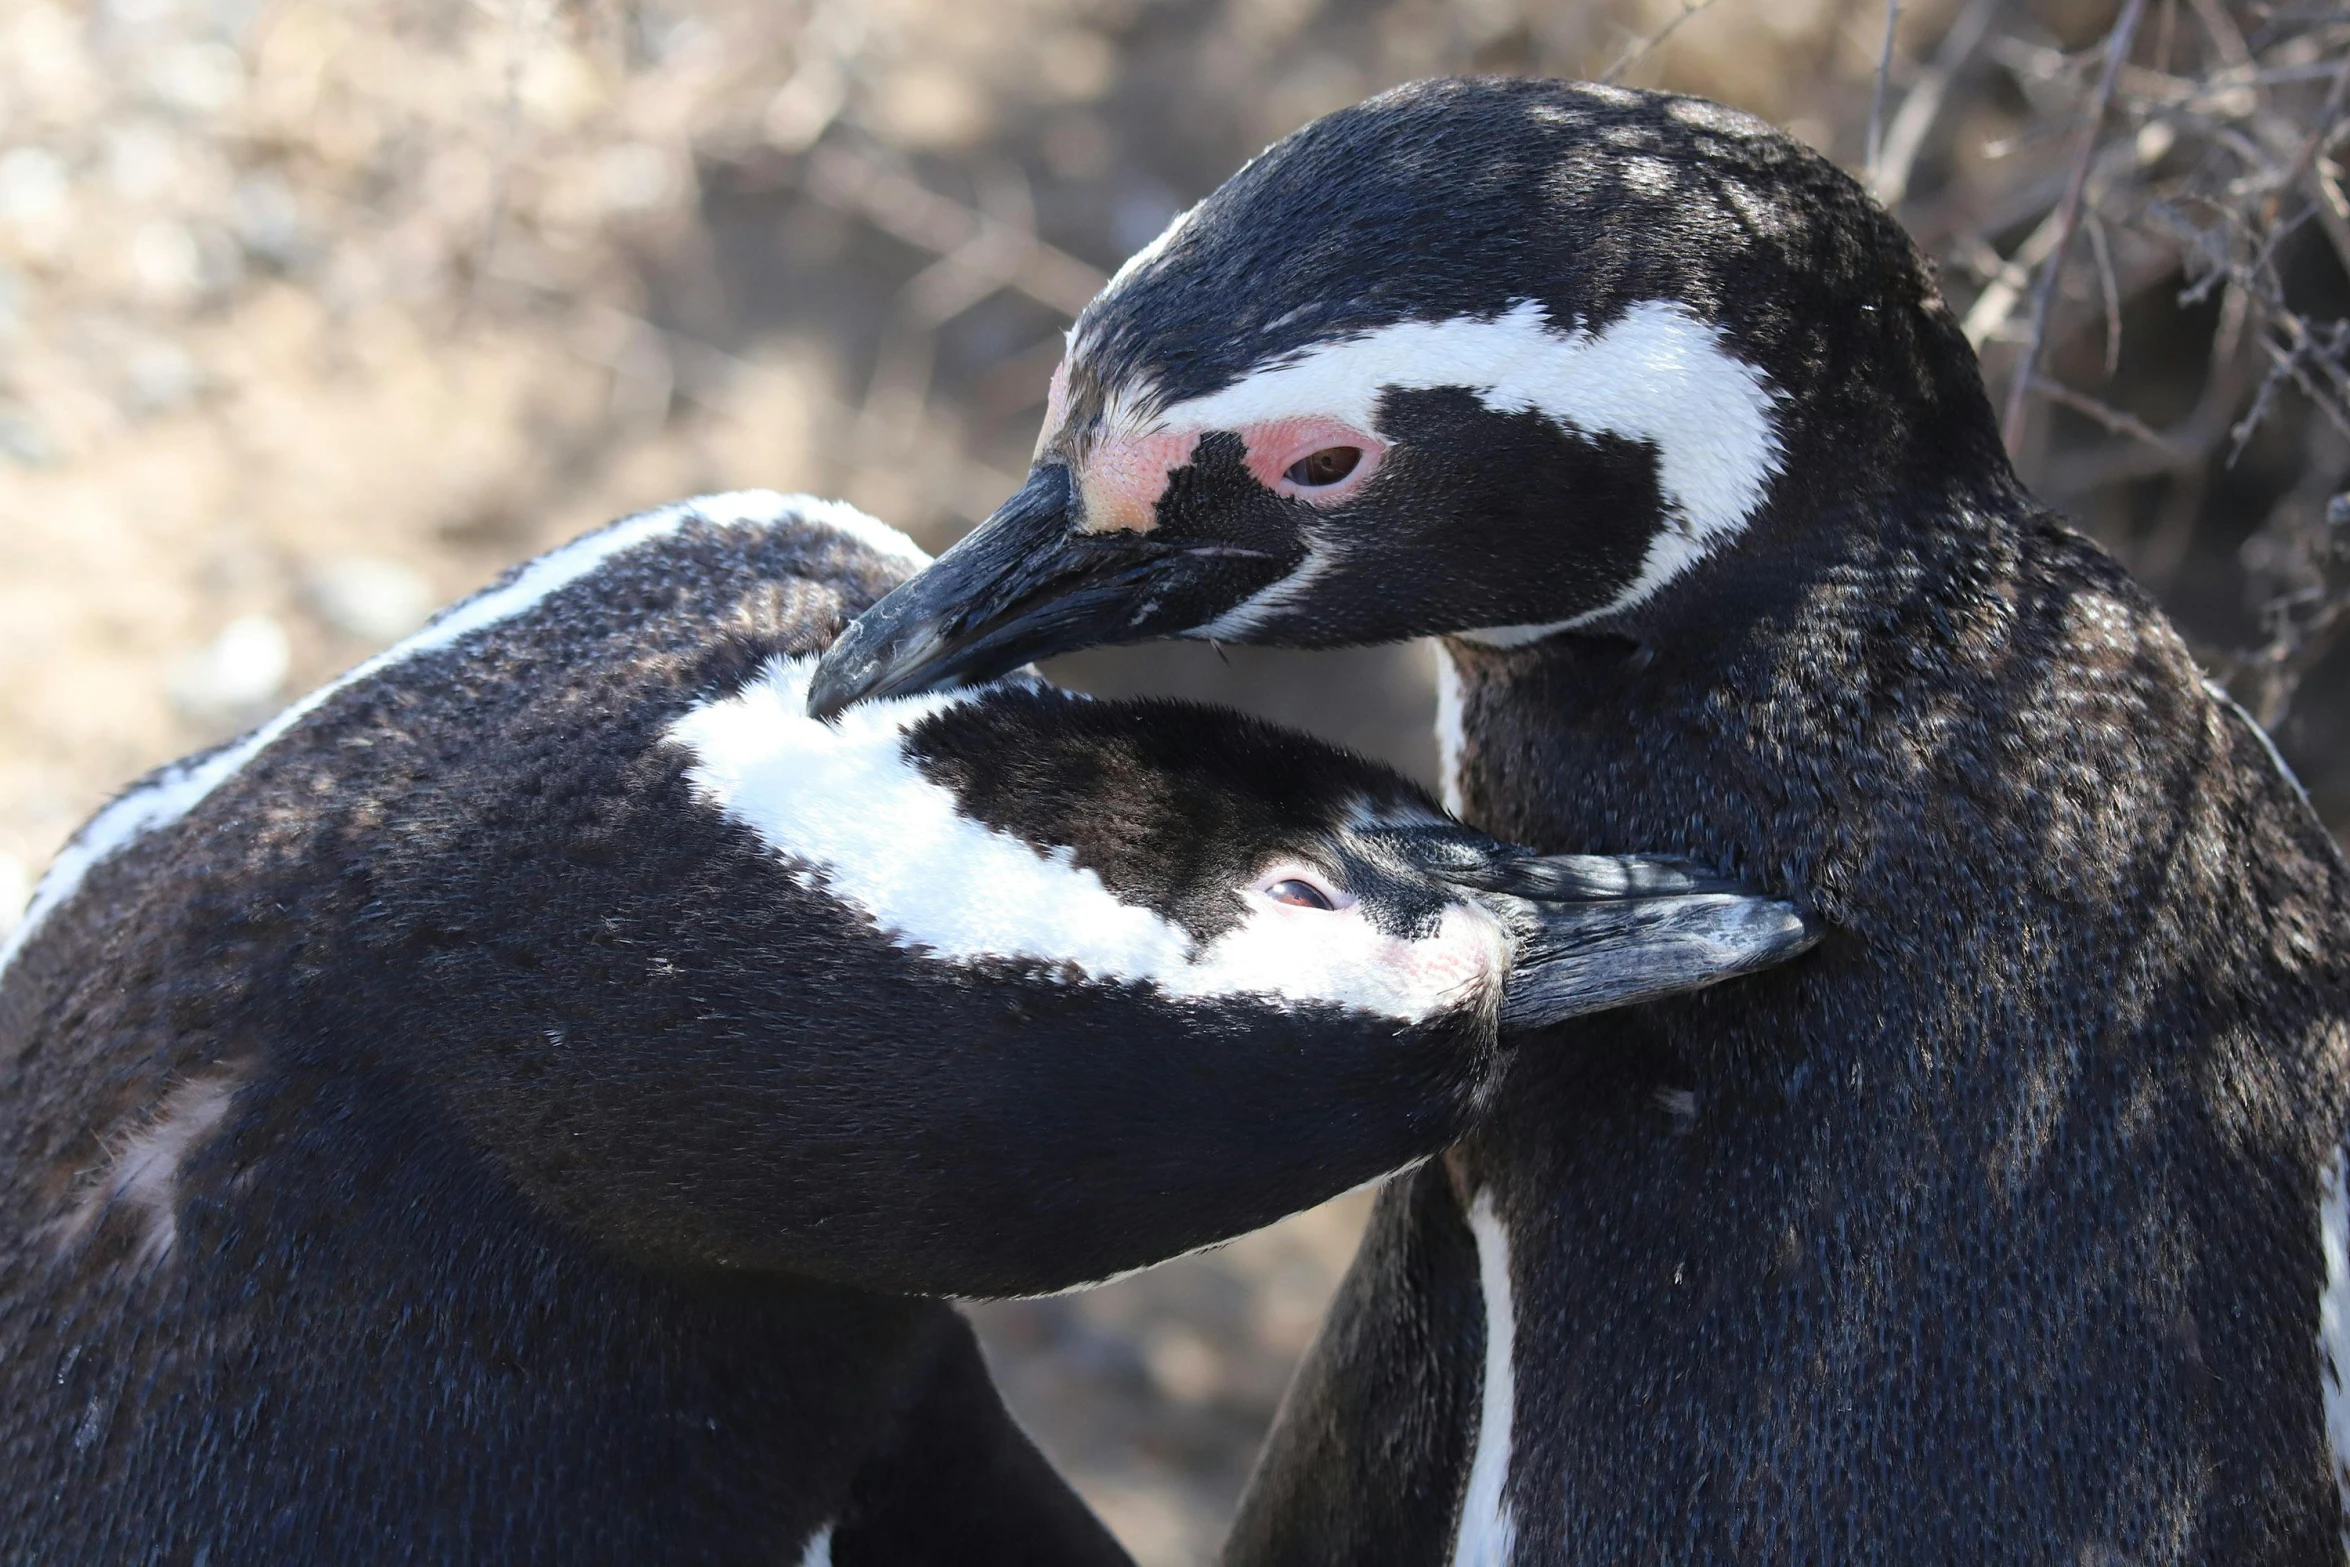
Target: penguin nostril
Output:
[(1299, 894), (1325, 467)]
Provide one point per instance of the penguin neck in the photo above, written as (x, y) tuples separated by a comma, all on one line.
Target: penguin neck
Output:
[(1783, 703), (2076, 1007)]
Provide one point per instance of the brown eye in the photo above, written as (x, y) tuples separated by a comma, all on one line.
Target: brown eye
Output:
[(1325, 467), (1300, 894)]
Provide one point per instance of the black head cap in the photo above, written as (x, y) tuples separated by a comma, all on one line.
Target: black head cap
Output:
[(1473, 356)]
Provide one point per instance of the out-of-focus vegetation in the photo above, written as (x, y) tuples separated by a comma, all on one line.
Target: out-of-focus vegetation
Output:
[(315, 313)]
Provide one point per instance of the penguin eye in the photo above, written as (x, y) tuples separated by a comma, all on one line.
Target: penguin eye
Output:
[(1299, 894), (1325, 467)]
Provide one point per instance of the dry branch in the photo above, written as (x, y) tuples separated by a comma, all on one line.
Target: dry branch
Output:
[(1641, 48), (2117, 50), (904, 208)]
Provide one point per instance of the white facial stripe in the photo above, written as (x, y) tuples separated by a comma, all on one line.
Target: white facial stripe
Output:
[(1339, 955), (2333, 1323), (184, 786), (1657, 374), (1487, 1531), (1449, 735), (819, 1551), (1269, 601), (844, 804)]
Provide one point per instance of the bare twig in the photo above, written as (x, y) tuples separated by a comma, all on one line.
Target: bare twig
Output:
[(1876, 142), (2293, 562), (2112, 418), (2117, 49), (2304, 174), (990, 250), (2115, 164), (1643, 47), (2192, 440), (1893, 162), (2328, 112), (2293, 360), (2333, 207), (1997, 302), (2226, 40), (2110, 287)]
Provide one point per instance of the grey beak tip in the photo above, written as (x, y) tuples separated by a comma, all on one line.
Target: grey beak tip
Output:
[(1798, 930), (834, 687), (1642, 946), (1770, 931)]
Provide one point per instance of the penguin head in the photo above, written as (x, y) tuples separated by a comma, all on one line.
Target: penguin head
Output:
[(1475, 357), (1197, 855), (1148, 974)]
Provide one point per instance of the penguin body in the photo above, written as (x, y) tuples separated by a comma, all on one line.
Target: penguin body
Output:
[(528, 1102), (2008, 1225)]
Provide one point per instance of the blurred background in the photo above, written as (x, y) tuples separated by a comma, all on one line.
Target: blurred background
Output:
[(315, 314)]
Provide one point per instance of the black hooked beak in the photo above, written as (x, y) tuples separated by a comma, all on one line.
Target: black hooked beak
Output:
[(1594, 931), (1028, 583)]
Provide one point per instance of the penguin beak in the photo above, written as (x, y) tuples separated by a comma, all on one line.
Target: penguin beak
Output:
[(1595, 931), (1027, 583)]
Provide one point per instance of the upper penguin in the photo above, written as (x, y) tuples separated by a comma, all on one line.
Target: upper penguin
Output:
[(521, 1104), (2008, 1226)]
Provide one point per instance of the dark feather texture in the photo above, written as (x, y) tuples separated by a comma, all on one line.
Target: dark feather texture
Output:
[(1992, 1230), (445, 1126)]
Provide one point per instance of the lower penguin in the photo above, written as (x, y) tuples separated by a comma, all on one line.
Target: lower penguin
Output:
[(533, 1100)]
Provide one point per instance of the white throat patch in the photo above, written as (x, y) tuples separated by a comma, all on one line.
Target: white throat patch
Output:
[(1657, 374), (1488, 1533), (853, 815), (1451, 736), (2333, 1324), (180, 788)]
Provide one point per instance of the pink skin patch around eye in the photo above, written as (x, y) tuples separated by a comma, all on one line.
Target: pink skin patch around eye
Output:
[(1290, 870), (1124, 472), (1056, 405), (1279, 445), (1463, 962), (1124, 475)]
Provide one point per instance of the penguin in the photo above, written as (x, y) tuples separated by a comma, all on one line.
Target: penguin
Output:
[(533, 1100), (2009, 1225)]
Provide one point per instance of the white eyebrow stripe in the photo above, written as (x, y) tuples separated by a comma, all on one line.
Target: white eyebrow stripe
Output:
[(183, 786), (1656, 374), (856, 818)]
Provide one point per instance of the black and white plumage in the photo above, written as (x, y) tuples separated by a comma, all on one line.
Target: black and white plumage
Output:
[(2009, 1225), (522, 1104)]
